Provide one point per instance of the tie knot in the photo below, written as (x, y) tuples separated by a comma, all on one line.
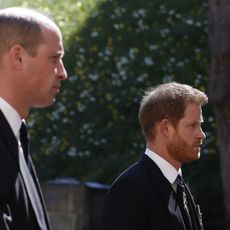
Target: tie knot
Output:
[(179, 181), (23, 132)]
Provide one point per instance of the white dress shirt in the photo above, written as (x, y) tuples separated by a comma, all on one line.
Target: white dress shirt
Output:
[(169, 171)]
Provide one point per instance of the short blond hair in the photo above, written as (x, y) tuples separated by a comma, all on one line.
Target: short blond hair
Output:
[(22, 26)]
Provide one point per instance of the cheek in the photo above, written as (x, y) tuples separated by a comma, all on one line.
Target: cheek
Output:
[(186, 136)]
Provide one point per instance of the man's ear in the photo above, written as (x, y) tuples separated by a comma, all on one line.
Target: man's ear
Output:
[(165, 127), (15, 55)]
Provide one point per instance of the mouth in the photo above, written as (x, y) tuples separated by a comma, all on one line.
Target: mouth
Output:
[(197, 146), (57, 88)]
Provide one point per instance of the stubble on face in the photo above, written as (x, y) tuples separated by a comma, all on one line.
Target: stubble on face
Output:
[(181, 151)]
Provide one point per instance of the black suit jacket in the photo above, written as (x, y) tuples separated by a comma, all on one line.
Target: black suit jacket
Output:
[(16, 212), (141, 198)]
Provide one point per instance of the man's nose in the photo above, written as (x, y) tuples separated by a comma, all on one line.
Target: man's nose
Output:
[(62, 73), (201, 134)]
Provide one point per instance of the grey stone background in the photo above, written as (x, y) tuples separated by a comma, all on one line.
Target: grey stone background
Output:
[(74, 205)]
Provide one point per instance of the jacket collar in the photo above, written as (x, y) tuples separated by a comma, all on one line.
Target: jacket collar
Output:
[(164, 190), (7, 135)]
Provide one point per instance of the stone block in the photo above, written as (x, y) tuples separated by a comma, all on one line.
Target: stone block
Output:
[(73, 205)]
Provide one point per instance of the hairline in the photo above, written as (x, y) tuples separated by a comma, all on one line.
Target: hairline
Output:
[(189, 95), (43, 21)]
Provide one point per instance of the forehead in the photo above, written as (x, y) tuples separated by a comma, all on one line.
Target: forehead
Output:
[(193, 112), (53, 39)]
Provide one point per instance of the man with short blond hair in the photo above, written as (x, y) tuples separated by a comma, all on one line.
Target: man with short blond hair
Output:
[(31, 71)]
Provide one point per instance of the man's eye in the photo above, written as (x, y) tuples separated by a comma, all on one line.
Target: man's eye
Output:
[(56, 58)]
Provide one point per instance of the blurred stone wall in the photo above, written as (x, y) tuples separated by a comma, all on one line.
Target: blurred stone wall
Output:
[(74, 205)]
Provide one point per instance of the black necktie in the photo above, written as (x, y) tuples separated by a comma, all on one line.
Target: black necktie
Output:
[(28, 179), (24, 140), (183, 202)]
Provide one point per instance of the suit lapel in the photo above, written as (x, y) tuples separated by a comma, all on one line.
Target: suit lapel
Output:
[(164, 189), (196, 214), (8, 136)]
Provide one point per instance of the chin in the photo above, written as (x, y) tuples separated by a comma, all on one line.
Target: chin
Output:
[(196, 156), (193, 157), (44, 104)]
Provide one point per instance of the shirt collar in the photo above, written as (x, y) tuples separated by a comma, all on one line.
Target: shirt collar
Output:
[(166, 168), (11, 115)]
